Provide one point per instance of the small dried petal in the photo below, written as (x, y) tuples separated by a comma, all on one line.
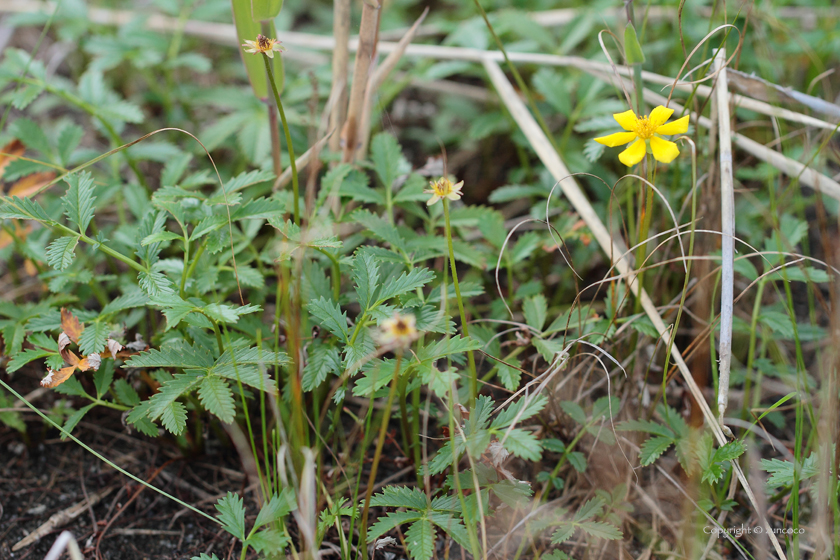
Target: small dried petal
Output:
[(94, 361), (498, 454), (63, 341), (383, 542), (114, 347), (138, 345)]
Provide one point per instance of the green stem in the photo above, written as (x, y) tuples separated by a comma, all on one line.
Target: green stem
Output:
[(464, 326), (336, 272), (288, 138), (380, 442), (408, 441), (751, 352), (218, 335), (644, 228), (688, 263), (186, 265), (102, 247), (195, 258)]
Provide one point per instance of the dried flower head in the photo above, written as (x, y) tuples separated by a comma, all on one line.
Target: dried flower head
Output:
[(443, 188), (644, 131), (399, 330), (263, 45)]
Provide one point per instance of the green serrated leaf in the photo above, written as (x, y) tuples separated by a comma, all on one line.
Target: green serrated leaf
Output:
[(578, 461), (390, 521), (322, 361), (276, 508), (93, 338), (563, 533), (386, 155), (524, 444), (78, 202), (159, 237), (420, 540), (400, 496), (730, 451), (174, 355), (174, 417), (155, 284), (366, 278), (407, 282), (589, 510), (651, 449), (521, 410), (328, 313), (645, 426), (161, 403), (22, 358), (61, 252), (231, 510), (380, 227), (217, 398), (126, 393), (536, 311), (103, 377), (601, 530)]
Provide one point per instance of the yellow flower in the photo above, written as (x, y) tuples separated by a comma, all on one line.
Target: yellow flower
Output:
[(644, 130), (399, 330), (263, 45), (443, 188)]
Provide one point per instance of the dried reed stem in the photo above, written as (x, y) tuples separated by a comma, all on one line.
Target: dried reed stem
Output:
[(340, 63), (727, 229), (364, 58)]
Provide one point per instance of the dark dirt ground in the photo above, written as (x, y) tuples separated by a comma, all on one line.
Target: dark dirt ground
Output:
[(40, 475)]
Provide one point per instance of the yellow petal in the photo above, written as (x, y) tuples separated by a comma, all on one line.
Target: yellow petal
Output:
[(679, 126), (634, 154), (617, 139), (269, 53), (432, 200), (627, 119), (660, 116), (663, 150)]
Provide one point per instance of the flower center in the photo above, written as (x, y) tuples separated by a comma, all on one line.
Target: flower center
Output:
[(264, 42), (442, 187), (401, 328), (644, 128)]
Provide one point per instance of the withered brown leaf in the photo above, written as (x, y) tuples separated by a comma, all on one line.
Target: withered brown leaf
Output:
[(70, 325), (31, 183)]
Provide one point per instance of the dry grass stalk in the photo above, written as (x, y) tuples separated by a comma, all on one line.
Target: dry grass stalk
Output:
[(378, 78), (340, 63), (62, 518), (727, 224), (570, 188), (364, 59)]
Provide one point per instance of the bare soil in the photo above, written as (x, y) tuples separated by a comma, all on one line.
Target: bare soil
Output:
[(41, 475)]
